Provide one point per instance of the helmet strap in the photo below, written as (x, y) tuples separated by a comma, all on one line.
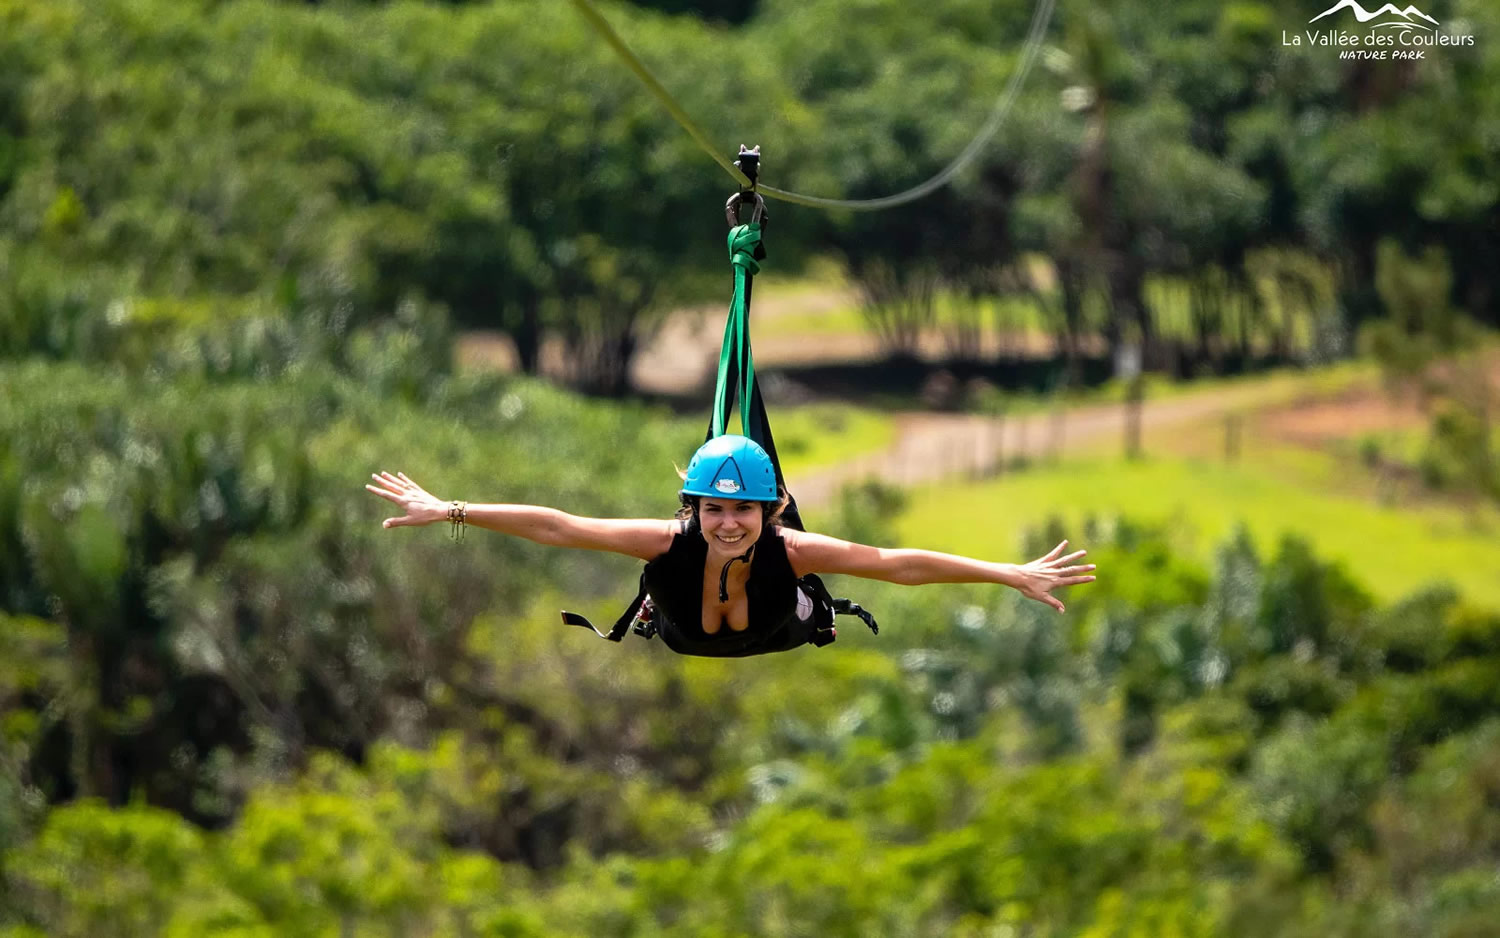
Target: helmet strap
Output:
[(724, 574)]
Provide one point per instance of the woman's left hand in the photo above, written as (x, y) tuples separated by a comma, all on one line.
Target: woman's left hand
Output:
[(419, 507), (1040, 577)]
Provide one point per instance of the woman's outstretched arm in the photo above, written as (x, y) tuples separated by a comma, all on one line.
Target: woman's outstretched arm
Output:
[(642, 538), (817, 553)]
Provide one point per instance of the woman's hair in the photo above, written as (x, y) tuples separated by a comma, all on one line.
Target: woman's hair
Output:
[(770, 511)]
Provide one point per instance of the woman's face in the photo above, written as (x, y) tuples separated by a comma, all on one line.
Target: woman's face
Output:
[(729, 526)]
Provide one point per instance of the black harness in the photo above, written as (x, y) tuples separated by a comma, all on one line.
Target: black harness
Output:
[(669, 603)]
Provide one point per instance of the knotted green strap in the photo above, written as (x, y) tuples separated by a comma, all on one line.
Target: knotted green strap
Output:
[(734, 352)]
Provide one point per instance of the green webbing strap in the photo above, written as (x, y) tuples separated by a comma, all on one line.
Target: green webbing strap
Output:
[(734, 352)]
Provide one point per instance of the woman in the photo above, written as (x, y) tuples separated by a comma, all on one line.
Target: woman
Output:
[(727, 579)]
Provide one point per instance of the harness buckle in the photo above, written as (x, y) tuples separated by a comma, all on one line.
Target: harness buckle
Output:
[(642, 624)]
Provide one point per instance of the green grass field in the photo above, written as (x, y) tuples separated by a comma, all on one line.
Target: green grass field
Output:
[(1017, 316), (1392, 550), (820, 435)]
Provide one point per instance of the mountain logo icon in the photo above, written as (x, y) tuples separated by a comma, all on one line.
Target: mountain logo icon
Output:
[(1405, 22)]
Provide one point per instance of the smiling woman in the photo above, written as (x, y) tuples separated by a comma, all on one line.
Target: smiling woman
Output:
[(725, 578)]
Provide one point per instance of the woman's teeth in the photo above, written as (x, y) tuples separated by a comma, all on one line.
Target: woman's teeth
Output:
[(730, 540)]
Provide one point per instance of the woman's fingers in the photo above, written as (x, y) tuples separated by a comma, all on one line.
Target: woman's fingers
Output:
[(395, 488), (411, 486), (383, 493), (1054, 573), (398, 483), (386, 490)]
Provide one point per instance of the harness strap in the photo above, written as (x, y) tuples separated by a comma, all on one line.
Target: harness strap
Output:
[(736, 364), (737, 383), (622, 625), (843, 607)]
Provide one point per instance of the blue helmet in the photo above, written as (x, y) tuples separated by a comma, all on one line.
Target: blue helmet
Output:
[(731, 466)]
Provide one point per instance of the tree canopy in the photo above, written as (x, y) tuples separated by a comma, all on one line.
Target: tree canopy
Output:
[(236, 240)]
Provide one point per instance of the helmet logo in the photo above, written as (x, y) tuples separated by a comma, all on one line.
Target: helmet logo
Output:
[(727, 486)]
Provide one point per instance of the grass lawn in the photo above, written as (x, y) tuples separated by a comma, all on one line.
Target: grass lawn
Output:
[(820, 435), (1392, 550), (1017, 315), (1274, 387)]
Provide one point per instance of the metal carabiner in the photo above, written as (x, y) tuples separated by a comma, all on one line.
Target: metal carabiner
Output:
[(758, 214), (749, 164)]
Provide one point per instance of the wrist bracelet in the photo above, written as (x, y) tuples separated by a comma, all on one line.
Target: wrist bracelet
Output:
[(457, 516)]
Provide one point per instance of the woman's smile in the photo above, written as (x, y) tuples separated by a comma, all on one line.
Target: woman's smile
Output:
[(730, 524)]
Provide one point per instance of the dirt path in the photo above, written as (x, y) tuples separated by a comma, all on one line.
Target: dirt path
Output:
[(931, 447)]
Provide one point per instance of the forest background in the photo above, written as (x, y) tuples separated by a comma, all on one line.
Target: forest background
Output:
[(241, 240)]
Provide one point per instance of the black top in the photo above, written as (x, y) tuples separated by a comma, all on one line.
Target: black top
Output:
[(675, 582)]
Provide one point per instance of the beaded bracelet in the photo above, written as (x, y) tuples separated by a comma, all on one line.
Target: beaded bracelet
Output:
[(457, 516)]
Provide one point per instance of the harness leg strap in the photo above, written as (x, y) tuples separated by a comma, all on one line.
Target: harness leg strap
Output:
[(846, 608), (622, 624), (573, 618)]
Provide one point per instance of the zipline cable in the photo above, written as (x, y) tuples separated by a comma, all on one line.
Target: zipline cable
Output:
[(601, 26), (1040, 19)]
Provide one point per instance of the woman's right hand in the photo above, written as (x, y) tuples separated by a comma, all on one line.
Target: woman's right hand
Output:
[(419, 507), (1040, 577)]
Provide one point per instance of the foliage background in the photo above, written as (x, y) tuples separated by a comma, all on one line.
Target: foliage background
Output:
[(237, 238)]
